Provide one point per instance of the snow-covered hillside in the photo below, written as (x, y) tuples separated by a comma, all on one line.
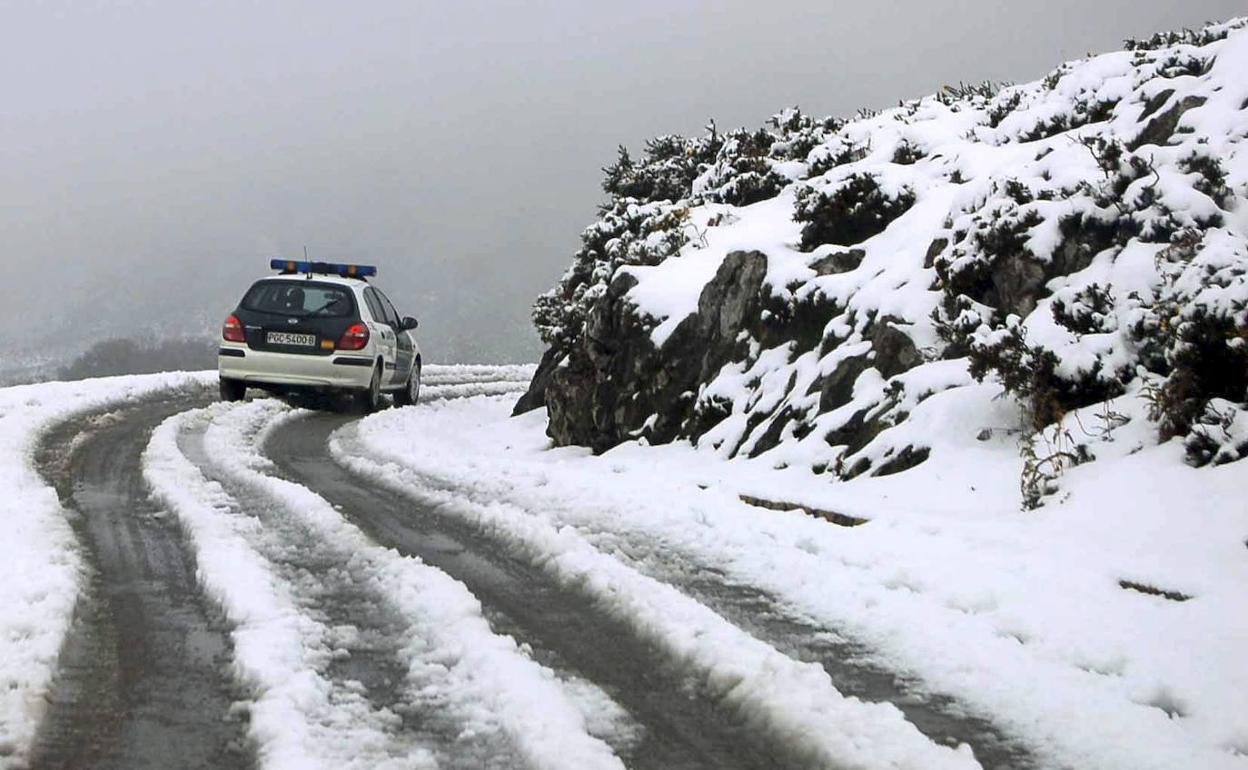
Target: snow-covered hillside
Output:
[(804, 290)]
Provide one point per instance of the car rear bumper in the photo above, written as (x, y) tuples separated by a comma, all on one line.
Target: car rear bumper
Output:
[(262, 368)]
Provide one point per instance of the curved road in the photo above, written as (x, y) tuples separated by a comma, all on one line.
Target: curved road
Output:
[(680, 731), (145, 679)]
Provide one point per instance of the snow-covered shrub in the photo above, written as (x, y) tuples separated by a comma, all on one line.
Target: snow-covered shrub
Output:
[(839, 151), (1209, 174), (1080, 113), (645, 219), (907, 153), (752, 166), (1004, 105), (1034, 374), (968, 94), (742, 172), (1089, 310), (630, 233), (990, 260), (1219, 434), (1197, 329), (1193, 37), (670, 165), (798, 134), (849, 212), (1180, 64)]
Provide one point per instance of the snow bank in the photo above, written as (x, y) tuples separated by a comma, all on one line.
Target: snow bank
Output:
[(1103, 630), (793, 703), (456, 661), (41, 568), (466, 389), (442, 374), (278, 650)]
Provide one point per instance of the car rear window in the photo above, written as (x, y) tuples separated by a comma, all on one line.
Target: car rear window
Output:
[(299, 298)]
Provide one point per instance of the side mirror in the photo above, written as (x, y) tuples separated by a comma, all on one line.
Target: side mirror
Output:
[(409, 323)]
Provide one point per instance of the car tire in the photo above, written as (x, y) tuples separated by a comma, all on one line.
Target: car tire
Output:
[(368, 400), (232, 390), (411, 391)]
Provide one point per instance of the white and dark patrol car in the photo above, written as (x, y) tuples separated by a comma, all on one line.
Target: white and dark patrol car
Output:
[(319, 327)]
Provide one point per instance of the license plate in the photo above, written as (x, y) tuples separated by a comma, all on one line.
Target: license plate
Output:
[(285, 338)]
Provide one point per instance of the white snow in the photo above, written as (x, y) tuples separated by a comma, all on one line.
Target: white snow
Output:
[(441, 374), (41, 568), (1019, 616)]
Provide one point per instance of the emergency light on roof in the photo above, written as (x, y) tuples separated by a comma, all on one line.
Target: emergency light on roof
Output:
[(326, 268)]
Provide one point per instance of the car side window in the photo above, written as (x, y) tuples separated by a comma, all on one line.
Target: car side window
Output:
[(374, 305), (392, 316)]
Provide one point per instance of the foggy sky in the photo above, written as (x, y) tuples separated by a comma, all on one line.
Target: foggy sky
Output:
[(155, 155)]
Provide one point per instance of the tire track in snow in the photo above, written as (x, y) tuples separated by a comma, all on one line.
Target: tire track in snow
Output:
[(780, 713), (789, 706), (346, 644), (142, 681), (852, 668), (849, 665), (566, 629), (470, 694)]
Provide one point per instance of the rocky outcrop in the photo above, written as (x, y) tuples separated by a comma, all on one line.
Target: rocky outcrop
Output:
[(535, 396), (876, 284), (1159, 130), (616, 385)]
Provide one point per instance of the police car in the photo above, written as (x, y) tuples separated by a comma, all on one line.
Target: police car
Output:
[(319, 327)]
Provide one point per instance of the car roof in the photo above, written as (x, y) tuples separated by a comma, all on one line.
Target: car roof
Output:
[(355, 283)]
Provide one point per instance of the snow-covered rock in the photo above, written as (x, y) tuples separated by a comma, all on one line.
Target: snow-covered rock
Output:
[(797, 291)]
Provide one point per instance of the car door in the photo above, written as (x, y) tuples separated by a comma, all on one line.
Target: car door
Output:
[(386, 334), (404, 349)]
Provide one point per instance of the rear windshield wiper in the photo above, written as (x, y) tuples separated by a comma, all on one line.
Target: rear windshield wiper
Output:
[(325, 307)]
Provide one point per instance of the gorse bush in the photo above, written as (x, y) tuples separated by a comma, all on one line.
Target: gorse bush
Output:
[(1193, 37), (1195, 332), (1035, 376), (1087, 311), (849, 212), (645, 218), (630, 233)]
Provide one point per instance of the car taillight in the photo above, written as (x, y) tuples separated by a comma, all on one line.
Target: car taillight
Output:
[(354, 338), (232, 330)]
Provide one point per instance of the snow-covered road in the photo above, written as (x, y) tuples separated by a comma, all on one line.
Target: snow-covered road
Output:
[(146, 654), (261, 586)]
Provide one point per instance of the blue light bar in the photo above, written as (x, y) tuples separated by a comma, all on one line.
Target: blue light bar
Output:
[(326, 268)]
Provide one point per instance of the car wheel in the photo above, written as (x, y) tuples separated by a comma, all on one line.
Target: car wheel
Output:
[(367, 401), (232, 390), (411, 393)]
